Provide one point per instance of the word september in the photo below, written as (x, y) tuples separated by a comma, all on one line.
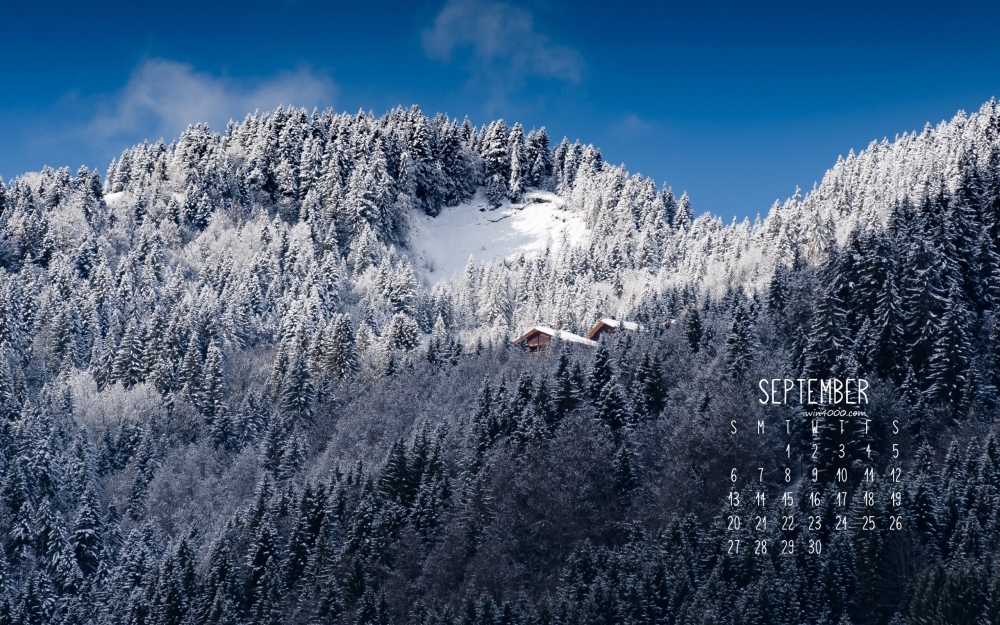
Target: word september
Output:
[(813, 391)]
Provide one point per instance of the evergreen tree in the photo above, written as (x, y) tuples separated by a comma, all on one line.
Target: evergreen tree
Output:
[(220, 597), (924, 292), (145, 469), (567, 393), (694, 329), (601, 373), (890, 329), (402, 333), (297, 393), (174, 587), (948, 364), (777, 291), (649, 389), (612, 407), (87, 532), (339, 349), (213, 405), (437, 345), (824, 348), (128, 363), (741, 342), (625, 476), (305, 534), (520, 166), (495, 152), (684, 216), (394, 480), (539, 158)]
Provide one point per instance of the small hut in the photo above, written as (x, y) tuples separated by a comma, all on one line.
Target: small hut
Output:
[(611, 326), (538, 338)]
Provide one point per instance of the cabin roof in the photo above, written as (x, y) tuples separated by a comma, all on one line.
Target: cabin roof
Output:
[(559, 334), (616, 324)]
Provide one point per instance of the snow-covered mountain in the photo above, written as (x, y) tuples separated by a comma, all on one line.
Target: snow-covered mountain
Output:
[(218, 403), (557, 235)]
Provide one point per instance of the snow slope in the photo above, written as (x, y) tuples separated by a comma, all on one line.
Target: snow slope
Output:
[(441, 245)]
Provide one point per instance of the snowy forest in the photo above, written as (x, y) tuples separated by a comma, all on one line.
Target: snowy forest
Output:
[(229, 393)]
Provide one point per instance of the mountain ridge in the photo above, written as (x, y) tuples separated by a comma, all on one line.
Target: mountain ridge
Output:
[(227, 396)]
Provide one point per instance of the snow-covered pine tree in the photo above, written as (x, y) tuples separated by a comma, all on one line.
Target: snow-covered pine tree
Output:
[(684, 216), (538, 155), (86, 538), (495, 152), (949, 362), (741, 342), (520, 166)]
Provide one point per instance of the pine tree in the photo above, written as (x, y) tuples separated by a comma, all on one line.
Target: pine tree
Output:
[(649, 392), (824, 348), (890, 331), (539, 158), (190, 370), (625, 476), (601, 373), (496, 162), (174, 587), (741, 342), (612, 407), (86, 538), (520, 167), (293, 456), (369, 195), (948, 364), (695, 331), (777, 291), (402, 333), (543, 407), (10, 407), (47, 536), (924, 281), (484, 428), (213, 402), (220, 596), (145, 469), (567, 394), (37, 600), (684, 216), (432, 496), (437, 345), (428, 176), (128, 363), (339, 349), (394, 479), (305, 534), (297, 394)]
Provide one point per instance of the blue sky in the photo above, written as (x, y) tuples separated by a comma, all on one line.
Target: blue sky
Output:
[(737, 103)]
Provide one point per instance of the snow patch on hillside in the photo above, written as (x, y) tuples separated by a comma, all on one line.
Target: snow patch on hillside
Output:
[(441, 245)]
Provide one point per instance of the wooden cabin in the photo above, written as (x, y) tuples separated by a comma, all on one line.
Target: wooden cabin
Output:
[(611, 326), (538, 338)]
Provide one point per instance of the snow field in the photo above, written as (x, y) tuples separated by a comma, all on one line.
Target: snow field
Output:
[(442, 245)]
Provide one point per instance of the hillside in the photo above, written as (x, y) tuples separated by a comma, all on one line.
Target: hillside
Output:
[(253, 377)]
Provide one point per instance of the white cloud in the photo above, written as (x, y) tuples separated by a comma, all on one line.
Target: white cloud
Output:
[(631, 125), (162, 97), (503, 42)]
